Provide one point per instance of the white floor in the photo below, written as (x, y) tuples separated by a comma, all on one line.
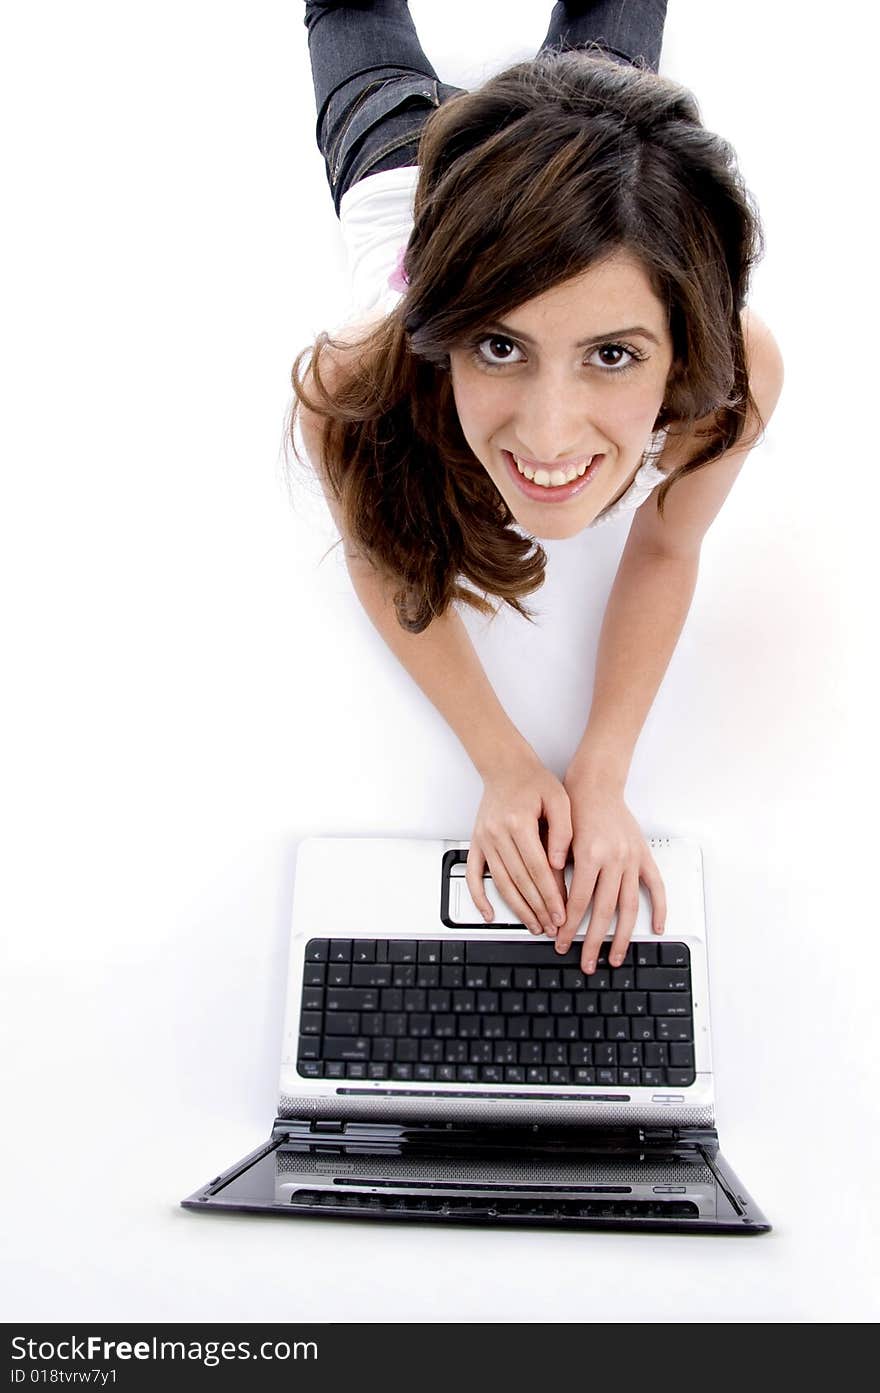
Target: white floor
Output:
[(189, 692)]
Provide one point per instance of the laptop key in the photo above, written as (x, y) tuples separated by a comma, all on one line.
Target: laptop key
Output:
[(309, 1068), (491, 1073), (334, 1069), (309, 1047), (567, 1028), (402, 951), (310, 1023), (560, 1074), (674, 955), (446, 1073), (356, 1071), (669, 1003), (680, 1078), (316, 950), (671, 1029), (399, 1070), (352, 999), (314, 974), (343, 1023), (371, 975), (606, 1076), (583, 1075), (377, 1071), (423, 1072), (536, 1074), (514, 1073), (339, 950), (382, 1050), (681, 1056), (363, 951), (346, 1047), (663, 979), (629, 1076)]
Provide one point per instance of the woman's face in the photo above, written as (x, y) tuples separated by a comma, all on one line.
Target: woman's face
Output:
[(569, 385)]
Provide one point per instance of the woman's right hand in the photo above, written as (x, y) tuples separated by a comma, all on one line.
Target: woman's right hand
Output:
[(507, 838)]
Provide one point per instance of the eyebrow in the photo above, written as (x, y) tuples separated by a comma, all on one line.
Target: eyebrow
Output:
[(584, 343)]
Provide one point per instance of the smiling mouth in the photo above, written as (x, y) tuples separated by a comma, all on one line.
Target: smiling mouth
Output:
[(552, 486), (546, 477)]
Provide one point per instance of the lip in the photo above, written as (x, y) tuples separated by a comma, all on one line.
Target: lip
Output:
[(560, 494)]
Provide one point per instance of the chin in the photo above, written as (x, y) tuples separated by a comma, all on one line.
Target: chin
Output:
[(554, 529)]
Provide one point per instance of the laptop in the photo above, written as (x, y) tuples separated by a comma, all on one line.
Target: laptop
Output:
[(441, 1069)]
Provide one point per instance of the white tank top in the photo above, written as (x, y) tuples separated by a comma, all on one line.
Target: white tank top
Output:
[(376, 216)]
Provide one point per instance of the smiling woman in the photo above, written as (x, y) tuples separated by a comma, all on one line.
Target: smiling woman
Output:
[(561, 337)]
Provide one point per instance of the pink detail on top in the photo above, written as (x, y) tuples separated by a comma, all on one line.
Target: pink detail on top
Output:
[(399, 280)]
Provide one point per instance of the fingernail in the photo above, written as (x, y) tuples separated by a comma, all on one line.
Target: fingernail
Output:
[(616, 960), (550, 931), (558, 918), (591, 967), (560, 946), (658, 928)]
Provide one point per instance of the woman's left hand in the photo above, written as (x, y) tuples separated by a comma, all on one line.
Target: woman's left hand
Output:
[(610, 858)]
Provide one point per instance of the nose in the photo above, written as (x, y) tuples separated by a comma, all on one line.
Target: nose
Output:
[(553, 423)]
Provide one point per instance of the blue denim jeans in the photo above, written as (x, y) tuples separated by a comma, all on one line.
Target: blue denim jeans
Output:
[(375, 88)]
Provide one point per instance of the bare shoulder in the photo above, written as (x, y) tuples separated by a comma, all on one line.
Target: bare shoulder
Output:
[(766, 368), (766, 374), (693, 503), (336, 359)]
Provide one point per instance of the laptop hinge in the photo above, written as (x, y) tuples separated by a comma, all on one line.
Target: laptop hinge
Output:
[(304, 1130)]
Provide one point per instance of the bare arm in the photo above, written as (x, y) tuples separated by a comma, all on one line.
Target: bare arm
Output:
[(443, 663)]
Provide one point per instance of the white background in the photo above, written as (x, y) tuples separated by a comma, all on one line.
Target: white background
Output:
[(189, 692)]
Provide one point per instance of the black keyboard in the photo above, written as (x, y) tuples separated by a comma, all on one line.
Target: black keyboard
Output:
[(456, 1011)]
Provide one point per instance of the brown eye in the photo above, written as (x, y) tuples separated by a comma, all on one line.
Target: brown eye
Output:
[(495, 350)]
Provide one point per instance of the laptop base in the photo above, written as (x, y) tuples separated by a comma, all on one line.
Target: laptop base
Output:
[(657, 1179)]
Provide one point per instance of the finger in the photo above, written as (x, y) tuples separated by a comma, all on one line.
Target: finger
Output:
[(583, 884), (515, 848), (657, 890), (508, 890), (605, 899), (552, 906), (627, 913), (474, 880), (559, 833)]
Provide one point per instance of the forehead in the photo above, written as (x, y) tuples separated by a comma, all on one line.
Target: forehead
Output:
[(613, 293)]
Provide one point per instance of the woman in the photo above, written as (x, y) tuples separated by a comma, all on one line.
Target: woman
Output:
[(550, 330)]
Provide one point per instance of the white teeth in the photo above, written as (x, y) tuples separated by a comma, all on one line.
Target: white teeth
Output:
[(548, 479)]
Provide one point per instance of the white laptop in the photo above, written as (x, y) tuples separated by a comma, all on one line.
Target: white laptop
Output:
[(438, 1068)]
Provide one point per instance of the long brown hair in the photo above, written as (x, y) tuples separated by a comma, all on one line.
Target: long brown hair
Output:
[(546, 169)]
